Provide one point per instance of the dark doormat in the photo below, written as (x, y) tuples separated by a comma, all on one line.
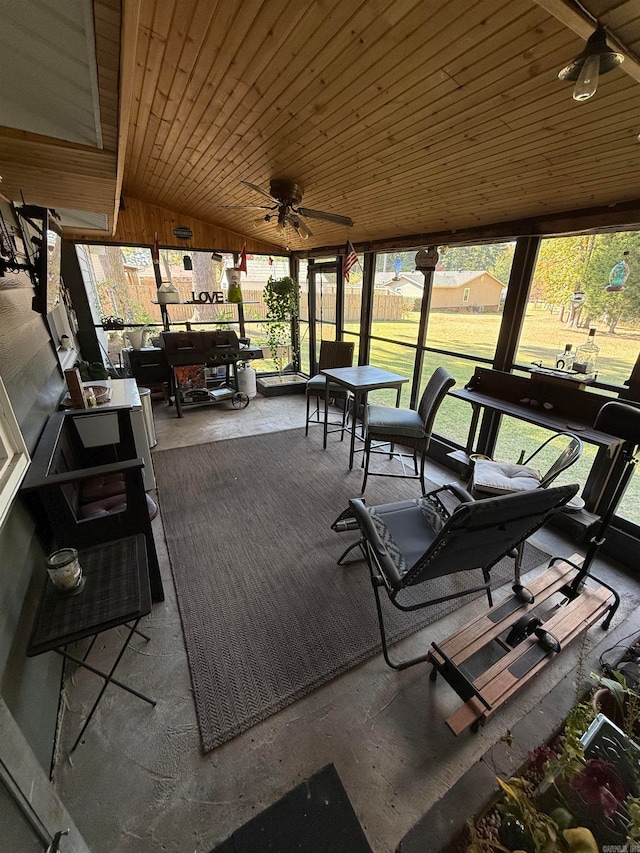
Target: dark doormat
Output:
[(315, 817)]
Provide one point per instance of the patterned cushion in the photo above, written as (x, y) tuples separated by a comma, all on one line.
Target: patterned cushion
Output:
[(432, 513), (388, 541), (415, 530), (502, 478)]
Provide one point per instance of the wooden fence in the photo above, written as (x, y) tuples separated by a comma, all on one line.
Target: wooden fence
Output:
[(142, 295)]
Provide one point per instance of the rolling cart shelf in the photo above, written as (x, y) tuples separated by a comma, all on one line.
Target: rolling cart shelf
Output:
[(212, 396), (515, 640), (220, 349)]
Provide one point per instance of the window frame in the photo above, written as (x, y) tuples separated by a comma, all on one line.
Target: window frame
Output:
[(14, 455)]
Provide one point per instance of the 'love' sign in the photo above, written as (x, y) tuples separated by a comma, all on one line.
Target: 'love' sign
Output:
[(204, 297)]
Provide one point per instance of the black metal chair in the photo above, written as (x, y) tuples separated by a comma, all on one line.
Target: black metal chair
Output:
[(413, 542), (406, 427), (499, 478), (332, 354)]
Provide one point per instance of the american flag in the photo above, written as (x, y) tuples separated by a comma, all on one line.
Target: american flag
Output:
[(350, 258)]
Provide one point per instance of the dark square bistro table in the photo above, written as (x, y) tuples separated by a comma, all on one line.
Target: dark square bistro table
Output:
[(360, 380), (116, 592)]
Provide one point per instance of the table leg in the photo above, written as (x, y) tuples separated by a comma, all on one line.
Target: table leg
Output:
[(326, 416), (176, 393), (357, 396), (102, 674), (473, 427), (108, 678)]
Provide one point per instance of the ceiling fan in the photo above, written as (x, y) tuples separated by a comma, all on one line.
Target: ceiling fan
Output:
[(285, 197)]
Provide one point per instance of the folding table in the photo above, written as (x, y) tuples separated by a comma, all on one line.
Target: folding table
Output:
[(116, 592)]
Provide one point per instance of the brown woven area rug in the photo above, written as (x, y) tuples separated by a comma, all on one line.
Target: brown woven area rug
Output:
[(267, 614)]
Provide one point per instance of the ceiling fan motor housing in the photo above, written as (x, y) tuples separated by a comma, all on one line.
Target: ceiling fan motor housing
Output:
[(286, 191)]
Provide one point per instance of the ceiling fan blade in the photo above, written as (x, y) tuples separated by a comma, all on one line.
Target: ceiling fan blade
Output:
[(259, 190), (329, 217)]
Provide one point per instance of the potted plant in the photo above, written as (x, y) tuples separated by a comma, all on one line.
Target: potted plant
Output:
[(618, 701), (282, 299), (571, 797)]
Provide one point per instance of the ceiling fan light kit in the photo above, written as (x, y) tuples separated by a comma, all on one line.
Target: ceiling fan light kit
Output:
[(285, 197), (597, 58)]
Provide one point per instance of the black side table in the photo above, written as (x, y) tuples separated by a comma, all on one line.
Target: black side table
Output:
[(116, 592)]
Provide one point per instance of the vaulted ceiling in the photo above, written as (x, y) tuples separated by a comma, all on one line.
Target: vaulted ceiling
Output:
[(412, 117)]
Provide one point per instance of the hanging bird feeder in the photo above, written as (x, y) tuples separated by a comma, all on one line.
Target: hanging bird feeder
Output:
[(618, 276)]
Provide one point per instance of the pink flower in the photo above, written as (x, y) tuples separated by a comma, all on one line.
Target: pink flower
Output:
[(600, 785)]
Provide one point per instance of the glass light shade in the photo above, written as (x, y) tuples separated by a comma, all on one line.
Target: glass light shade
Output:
[(596, 58), (587, 81)]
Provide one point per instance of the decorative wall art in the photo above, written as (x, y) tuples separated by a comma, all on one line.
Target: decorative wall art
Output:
[(15, 267), (42, 241)]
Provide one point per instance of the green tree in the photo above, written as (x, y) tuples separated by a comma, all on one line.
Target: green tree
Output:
[(488, 257), (483, 256), (170, 258), (501, 266), (385, 261), (613, 308), (136, 256), (559, 270), (115, 291)]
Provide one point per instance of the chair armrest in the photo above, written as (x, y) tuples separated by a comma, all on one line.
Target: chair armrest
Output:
[(459, 493), (80, 474)]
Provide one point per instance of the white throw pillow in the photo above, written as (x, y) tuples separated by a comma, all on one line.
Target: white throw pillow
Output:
[(501, 478)]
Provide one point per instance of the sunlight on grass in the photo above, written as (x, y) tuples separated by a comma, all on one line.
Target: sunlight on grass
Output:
[(476, 335)]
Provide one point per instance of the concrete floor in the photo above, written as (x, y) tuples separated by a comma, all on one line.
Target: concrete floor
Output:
[(138, 781)]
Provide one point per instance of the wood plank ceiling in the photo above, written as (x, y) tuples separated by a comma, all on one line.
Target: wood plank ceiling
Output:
[(413, 117), (43, 70)]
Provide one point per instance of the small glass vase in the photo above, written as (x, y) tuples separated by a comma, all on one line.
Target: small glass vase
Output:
[(65, 571)]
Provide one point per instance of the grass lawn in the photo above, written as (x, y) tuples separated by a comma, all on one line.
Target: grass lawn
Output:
[(475, 335)]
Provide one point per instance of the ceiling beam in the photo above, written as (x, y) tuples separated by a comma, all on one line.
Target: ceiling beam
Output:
[(56, 173), (623, 216), (583, 25), (130, 17)]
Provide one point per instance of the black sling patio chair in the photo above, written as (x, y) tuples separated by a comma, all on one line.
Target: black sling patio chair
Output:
[(413, 542)]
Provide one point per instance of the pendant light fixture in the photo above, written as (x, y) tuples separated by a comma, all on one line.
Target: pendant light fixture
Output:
[(597, 58)]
